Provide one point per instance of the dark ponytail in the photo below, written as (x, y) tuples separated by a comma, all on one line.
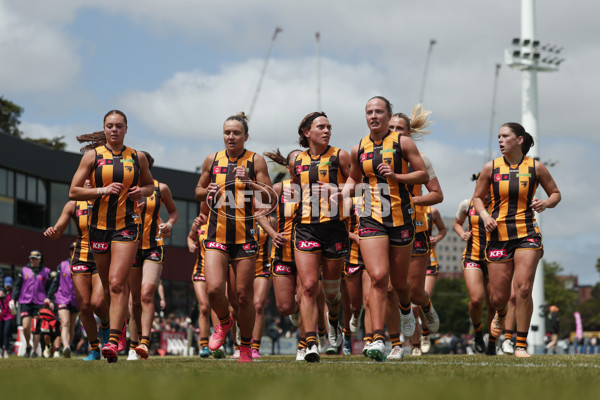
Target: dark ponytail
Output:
[(519, 131)]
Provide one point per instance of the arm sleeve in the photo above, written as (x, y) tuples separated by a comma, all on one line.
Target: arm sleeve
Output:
[(461, 213), (429, 166)]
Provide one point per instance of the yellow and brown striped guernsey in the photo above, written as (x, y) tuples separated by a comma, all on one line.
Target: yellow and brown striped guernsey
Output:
[(285, 212), (420, 211), (388, 202), (199, 265), (81, 220), (263, 258), (513, 188), (113, 212), (231, 217), (475, 249), (311, 169), (352, 223), (149, 217)]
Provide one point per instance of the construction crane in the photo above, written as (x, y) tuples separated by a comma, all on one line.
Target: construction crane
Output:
[(264, 70)]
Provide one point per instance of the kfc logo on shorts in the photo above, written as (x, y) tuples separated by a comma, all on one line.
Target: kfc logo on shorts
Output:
[(78, 268), (127, 234), (405, 234), (366, 231), (247, 246), (471, 264), (419, 244), (352, 270), (307, 244), (154, 255), (496, 254), (101, 246), (215, 245), (283, 269)]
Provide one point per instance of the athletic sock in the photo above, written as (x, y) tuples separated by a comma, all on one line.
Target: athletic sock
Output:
[(522, 340), (395, 339), (477, 327), (405, 309), (225, 320), (94, 344), (379, 334), (115, 334), (427, 307), (256, 345), (145, 340), (203, 342), (311, 338), (301, 343), (133, 344), (245, 342), (508, 335)]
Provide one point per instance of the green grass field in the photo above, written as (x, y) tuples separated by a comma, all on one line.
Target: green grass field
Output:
[(432, 376)]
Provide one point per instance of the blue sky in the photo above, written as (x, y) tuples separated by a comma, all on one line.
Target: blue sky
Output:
[(179, 68)]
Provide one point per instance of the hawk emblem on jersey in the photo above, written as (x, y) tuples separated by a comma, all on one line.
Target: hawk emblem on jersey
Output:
[(524, 183), (323, 172), (388, 161)]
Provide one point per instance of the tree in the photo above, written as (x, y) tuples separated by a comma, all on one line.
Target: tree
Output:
[(451, 301), (56, 143), (9, 117), (558, 294)]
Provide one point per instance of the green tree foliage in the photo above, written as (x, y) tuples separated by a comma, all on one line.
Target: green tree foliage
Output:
[(558, 294), (451, 301), (56, 143), (9, 117)]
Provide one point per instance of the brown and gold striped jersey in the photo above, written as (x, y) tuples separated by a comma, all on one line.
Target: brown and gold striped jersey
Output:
[(475, 249), (285, 212), (311, 169), (513, 188), (149, 217), (113, 212), (80, 218), (385, 200), (231, 216)]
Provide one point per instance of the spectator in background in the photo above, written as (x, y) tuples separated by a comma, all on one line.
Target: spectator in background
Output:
[(31, 292), (274, 331), (553, 329), (7, 315)]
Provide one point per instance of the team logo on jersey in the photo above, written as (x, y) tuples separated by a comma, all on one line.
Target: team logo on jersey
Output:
[(100, 246), (102, 162), (493, 254), (129, 168), (220, 170), (302, 168), (323, 172), (501, 177), (523, 183), (388, 161), (366, 156), (419, 223), (307, 244)]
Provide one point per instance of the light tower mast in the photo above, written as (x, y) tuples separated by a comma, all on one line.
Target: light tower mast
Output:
[(529, 57)]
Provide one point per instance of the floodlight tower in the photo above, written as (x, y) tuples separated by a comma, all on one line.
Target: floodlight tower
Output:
[(432, 42), (529, 57)]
